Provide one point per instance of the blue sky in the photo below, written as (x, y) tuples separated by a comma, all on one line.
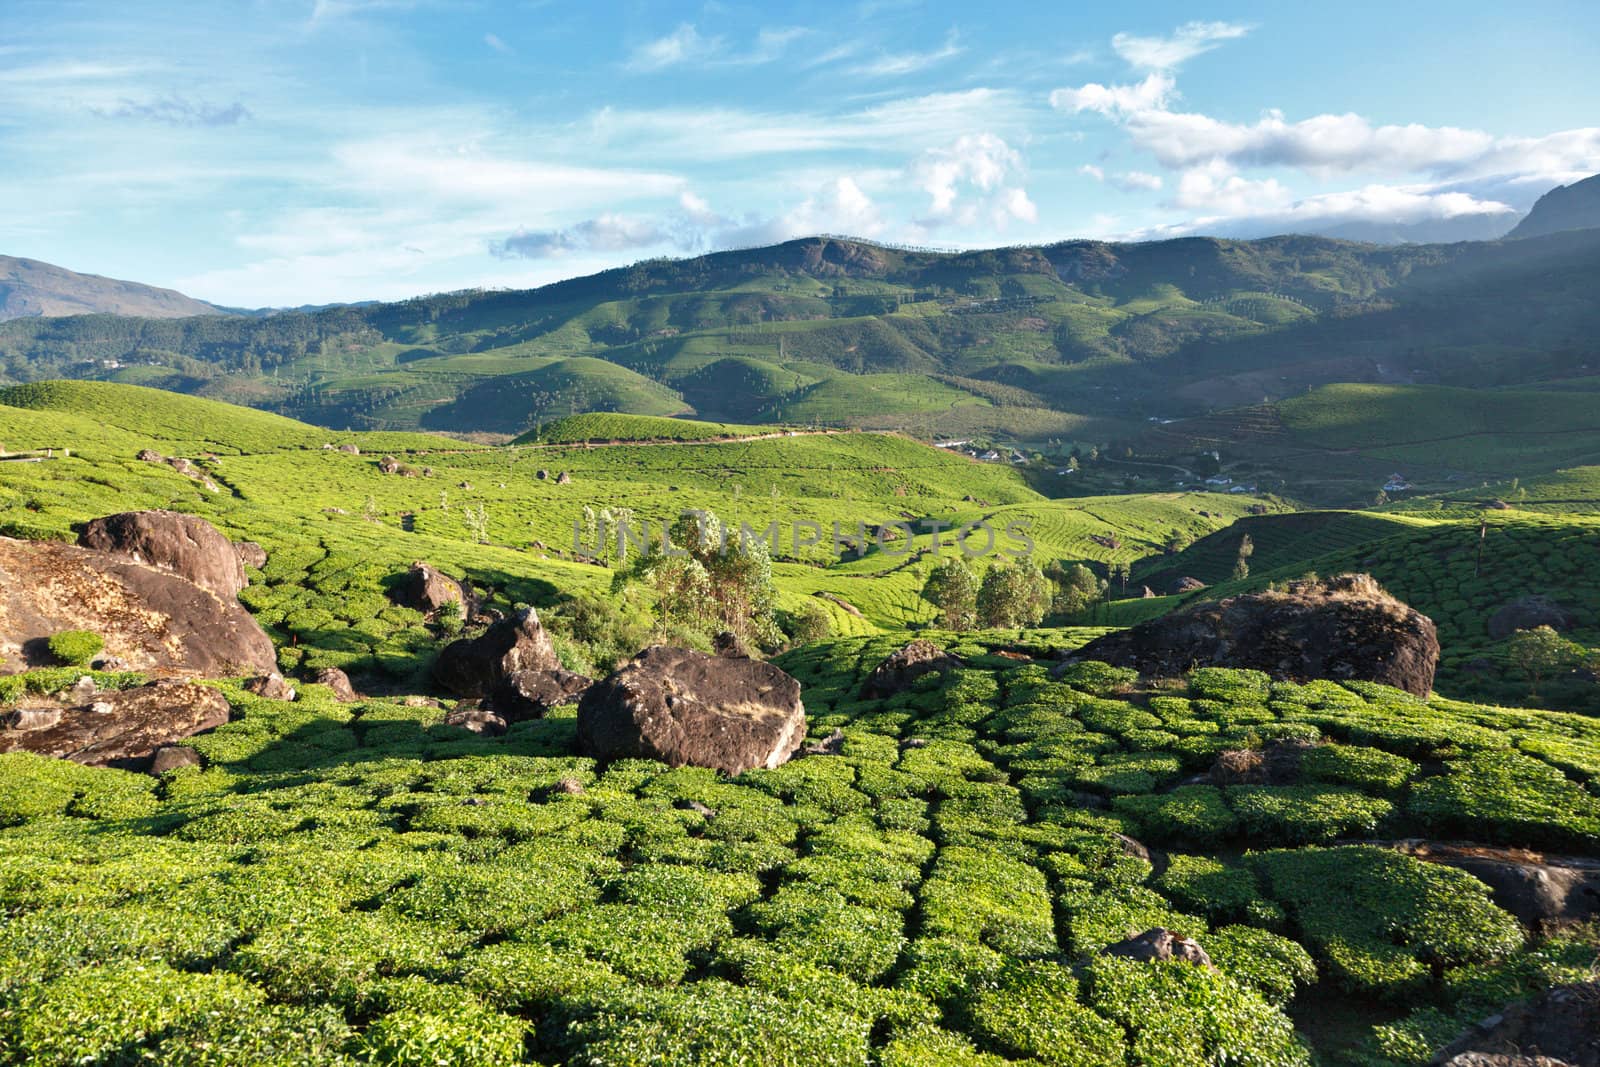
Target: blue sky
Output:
[(277, 152)]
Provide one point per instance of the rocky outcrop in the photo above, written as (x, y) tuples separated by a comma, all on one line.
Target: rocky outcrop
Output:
[(1539, 890), (270, 686), (185, 545), (339, 682), (1158, 945), (250, 554), (1344, 629), (686, 708), (531, 694), (476, 719), (1529, 613), (122, 729), (151, 620), (477, 666), (901, 669), (1559, 1027), (428, 590), (730, 645), (1275, 763)]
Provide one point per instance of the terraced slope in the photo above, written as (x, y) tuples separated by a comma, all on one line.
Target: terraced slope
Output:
[(363, 884)]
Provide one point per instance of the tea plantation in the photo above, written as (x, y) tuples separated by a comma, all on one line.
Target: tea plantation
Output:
[(349, 883), (363, 884)]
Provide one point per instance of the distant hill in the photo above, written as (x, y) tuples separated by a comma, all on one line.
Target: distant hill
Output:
[(1566, 207), (1082, 342), (31, 289)]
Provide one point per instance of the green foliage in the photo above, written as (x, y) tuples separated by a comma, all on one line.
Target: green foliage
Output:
[(75, 648), (952, 588), (1012, 594)]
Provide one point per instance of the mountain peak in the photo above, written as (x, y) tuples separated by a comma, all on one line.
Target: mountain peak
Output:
[(32, 289), (1566, 207)]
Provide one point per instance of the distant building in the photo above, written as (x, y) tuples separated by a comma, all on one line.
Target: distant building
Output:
[(1396, 484), (1217, 479)]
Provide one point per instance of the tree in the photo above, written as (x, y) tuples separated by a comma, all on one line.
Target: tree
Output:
[(1241, 565), (710, 585), (1078, 589), (953, 589), (810, 624), (1541, 652), (1013, 594)]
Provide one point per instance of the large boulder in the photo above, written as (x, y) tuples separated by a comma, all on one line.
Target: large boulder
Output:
[(1542, 891), (1159, 945), (428, 590), (901, 669), (1529, 613), (1557, 1028), (1344, 629), (186, 545), (151, 620), (531, 694), (477, 666), (686, 708), (123, 729), (339, 682)]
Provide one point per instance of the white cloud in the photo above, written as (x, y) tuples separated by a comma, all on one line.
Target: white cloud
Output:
[(1137, 181), (891, 64), (1168, 53), (1089, 170), (608, 233), (1321, 143), (974, 176), (1216, 188), (682, 45), (497, 44), (724, 133), (1151, 94)]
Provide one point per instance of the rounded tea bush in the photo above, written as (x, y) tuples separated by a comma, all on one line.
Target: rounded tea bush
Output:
[(76, 648)]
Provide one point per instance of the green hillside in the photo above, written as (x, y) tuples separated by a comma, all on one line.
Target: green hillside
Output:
[(361, 883), (1078, 341)]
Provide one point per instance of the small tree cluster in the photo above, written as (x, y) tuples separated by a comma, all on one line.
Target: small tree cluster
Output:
[(952, 588), (1013, 594)]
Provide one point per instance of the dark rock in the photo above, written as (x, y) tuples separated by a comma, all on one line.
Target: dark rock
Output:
[(563, 478), (1529, 613), (23, 720), (428, 590), (130, 727), (1136, 849), (1187, 585), (1344, 628), (82, 691), (339, 682), (185, 545), (388, 465), (270, 686), (1275, 763), (150, 619), (541, 474), (1542, 891), (150, 455), (686, 708), (697, 807), (832, 745), (913, 742), (477, 666), (1558, 1028), (729, 645), (569, 787), (250, 554), (350, 450), (170, 758), (1160, 944), (476, 719), (531, 694), (897, 672)]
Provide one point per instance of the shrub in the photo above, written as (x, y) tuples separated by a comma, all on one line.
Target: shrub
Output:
[(76, 648), (1193, 816), (1034, 1011), (1308, 814), (465, 1034)]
